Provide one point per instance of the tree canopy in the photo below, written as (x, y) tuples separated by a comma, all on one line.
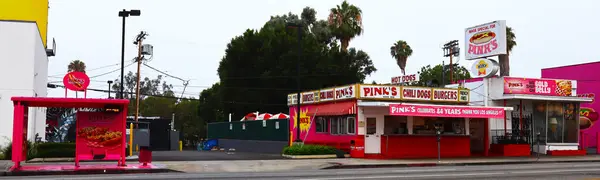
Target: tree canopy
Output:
[(432, 76), (258, 70)]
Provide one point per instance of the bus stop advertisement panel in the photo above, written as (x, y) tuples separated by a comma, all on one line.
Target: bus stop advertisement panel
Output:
[(100, 136)]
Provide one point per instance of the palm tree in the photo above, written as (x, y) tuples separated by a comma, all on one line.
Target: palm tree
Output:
[(510, 44), (401, 51), (76, 65), (346, 23)]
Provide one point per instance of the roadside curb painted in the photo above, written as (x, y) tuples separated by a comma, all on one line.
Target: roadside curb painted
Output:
[(358, 166)]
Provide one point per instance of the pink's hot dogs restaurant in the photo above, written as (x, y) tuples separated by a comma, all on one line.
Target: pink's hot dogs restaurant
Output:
[(388, 121)]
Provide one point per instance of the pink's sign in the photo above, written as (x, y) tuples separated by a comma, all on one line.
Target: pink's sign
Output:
[(446, 111), (548, 87)]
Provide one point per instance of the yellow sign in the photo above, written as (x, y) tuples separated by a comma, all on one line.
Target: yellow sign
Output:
[(27, 10), (481, 67), (305, 121)]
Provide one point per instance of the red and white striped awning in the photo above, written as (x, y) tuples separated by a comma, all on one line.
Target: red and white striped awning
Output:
[(280, 116)]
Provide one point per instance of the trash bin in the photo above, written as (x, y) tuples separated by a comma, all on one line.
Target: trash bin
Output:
[(209, 144), (145, 156)]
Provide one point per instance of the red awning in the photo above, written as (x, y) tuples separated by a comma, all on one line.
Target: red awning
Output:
[(334, 109)]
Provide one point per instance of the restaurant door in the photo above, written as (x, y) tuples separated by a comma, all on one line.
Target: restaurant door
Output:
[(477, 134), (372, 137)]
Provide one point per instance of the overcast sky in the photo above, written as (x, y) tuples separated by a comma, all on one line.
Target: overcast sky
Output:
[(190, 36)]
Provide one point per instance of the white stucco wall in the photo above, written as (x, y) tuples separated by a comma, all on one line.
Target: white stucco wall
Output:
[(19, 50)]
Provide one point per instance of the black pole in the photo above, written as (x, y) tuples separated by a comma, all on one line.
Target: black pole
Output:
[(443, 74), (109, 82), (300, 31), (121, 95)]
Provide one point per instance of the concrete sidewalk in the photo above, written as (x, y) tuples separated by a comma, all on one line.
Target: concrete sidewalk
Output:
[(315, 164)]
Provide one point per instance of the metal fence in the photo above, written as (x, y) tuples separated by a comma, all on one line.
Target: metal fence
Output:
[(262, 130)]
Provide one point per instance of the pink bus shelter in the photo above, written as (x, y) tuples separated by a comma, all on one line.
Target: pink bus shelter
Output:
[(21, 108)]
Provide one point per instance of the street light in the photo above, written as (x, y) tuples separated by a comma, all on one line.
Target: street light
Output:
[(300, 31), (109, 82), (124, 13)]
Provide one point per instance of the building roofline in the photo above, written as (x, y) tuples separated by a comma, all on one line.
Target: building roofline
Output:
[(580, 64)]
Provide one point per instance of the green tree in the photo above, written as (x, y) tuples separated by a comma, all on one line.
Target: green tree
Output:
[(432, 76), (148, 86), (157, 107), (504, 59), (401, 51), (188, 121), (345, 21), (210, 106), (76, 65), (258, 70)]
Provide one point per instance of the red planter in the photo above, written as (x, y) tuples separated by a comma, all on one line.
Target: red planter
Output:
[(512, 150), (567, 153)]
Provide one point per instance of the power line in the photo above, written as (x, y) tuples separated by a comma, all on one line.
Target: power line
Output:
[(166, 74), (181, 98), (109, 72), (102, 67)]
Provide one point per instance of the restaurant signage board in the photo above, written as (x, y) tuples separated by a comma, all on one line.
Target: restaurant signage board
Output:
[(379, 92), (533, 86), (485, 40), (405, 79), (445, 111), (382, 92), (416, 93), (484, 68), (76, 81)]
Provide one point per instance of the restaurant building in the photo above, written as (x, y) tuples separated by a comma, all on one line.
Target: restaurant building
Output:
[(545, 117), (389, 121), (587, 86)]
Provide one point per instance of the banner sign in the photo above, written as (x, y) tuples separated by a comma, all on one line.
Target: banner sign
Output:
[(446, 111), (548, 87), (99, 136)]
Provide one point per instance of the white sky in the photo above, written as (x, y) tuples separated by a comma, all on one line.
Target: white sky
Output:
[(190, 36)]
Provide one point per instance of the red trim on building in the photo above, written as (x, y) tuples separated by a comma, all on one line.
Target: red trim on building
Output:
[(334, 109)]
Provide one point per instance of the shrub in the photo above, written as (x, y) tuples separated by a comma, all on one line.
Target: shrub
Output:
[(55, 150), (42, 150), (309, 150)]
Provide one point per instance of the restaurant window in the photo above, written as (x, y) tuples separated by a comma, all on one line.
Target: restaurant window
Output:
[(321, 124), (342, 125), (395, 125), (351, 125), (427, 125), (556, 122), (333, 125)]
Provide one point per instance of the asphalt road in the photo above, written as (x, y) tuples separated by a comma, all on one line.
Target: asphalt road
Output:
[(515, 171)]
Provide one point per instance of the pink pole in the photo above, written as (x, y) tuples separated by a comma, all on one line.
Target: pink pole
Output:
[(17, 140), (597, 143)]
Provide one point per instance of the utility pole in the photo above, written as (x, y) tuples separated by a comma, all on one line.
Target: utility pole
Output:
[(451, 49), (300, 32), (138, 41)]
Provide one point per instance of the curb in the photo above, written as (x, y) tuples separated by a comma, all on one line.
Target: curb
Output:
[(87, 172), (342, 166)]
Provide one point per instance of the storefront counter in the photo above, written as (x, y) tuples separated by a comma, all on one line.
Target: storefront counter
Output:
[(425, 146)]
